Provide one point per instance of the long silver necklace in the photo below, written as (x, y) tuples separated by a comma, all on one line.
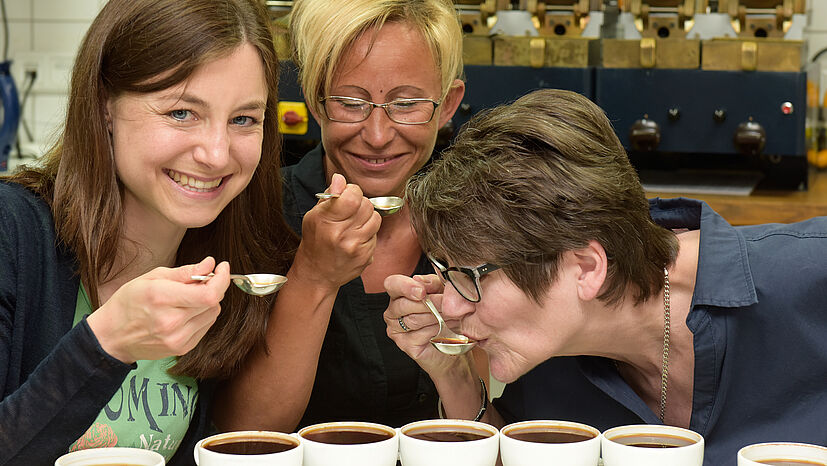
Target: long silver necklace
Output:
[(664, 369)]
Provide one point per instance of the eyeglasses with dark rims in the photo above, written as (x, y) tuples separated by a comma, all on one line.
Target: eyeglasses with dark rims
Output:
[(354, 110), (466, 280)]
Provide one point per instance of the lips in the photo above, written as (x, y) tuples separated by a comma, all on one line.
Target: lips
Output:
[(193, 184), (471, 336)]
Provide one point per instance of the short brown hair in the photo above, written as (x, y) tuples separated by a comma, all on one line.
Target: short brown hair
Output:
[(525, 182), (145, 46)]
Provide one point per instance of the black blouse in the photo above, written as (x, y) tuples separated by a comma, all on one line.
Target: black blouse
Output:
[(362, 375)]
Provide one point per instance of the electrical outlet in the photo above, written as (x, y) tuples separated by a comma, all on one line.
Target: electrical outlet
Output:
[(53, 71), (23, 63)]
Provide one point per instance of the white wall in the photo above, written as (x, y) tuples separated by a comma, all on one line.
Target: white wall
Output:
[(816, 30), (44, 36), (816, 34)]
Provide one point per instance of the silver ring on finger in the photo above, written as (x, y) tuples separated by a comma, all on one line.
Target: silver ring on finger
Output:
[(405, 328)]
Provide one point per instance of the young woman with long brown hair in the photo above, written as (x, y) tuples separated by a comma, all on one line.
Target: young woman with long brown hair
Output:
[(168, 162)]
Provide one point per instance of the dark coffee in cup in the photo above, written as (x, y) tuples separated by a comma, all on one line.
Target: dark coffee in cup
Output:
[(347, 435), (653, 440), (250, 445), (447, 433), (550, 434)]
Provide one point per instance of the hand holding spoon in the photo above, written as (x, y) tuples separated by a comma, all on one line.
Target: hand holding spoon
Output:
[(446, 341), (256, 284), (385, 205)]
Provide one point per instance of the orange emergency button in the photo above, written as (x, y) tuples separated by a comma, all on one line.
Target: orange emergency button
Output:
[(292, 117)]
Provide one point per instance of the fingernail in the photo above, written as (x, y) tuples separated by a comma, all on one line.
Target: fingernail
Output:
[(418, 292)]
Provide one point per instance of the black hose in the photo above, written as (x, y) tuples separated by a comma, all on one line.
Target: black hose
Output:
[(31, 77), (5, 31)]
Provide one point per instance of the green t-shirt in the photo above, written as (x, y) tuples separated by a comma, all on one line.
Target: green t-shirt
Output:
[(152, 409)]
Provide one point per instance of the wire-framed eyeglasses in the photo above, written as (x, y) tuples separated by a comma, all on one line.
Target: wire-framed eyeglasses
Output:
[(404, 111), (466, 280)]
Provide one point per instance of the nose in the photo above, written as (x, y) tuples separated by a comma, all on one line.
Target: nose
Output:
[(378, 130), (213, 148), (454, 306)]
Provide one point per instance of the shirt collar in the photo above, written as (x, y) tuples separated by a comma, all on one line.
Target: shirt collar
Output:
[(724, 278)]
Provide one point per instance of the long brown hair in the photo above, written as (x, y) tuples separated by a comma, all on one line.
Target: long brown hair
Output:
[(146, 46), (527, 181)]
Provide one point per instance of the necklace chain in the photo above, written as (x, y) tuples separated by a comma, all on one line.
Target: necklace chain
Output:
[(664, 370)]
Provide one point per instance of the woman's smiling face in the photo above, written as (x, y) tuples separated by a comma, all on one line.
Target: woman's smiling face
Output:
[(185, 152), (378, 154)]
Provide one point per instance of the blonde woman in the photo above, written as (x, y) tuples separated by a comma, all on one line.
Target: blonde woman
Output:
[(381, 78)]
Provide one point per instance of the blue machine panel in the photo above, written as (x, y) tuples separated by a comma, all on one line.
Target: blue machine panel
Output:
[(698, 113), (489, 86)]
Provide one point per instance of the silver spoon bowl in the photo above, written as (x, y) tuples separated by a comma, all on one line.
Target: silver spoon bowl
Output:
[(446, 341), (385, 205), (256, 284)]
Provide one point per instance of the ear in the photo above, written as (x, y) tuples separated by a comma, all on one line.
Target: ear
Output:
[(451, 102), (590, 267)]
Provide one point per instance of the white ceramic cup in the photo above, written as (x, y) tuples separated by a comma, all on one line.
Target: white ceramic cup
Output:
[(795, 453), (290, 457), (384, 452), (520, 452), (418, 452), (111, 455), (616, 453)]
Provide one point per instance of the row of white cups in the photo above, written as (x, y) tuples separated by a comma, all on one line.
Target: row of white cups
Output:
[(610, 448)]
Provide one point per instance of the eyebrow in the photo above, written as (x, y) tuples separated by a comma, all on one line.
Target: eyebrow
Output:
[(193, 100), (395, 91)]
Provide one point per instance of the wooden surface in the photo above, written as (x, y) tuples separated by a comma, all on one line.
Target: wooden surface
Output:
[(767, 206)]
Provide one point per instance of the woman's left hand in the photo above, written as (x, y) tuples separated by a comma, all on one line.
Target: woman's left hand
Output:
[(406, 307)]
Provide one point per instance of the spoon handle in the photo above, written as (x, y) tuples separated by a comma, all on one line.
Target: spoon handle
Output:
[(326, 196), (204, 278), (433, 310)]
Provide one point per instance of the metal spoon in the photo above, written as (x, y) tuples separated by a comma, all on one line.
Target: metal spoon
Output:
[(385, 205), (256, 284), (446, 341)]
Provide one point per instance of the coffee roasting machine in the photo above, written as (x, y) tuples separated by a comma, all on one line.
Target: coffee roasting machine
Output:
[(696, 89)]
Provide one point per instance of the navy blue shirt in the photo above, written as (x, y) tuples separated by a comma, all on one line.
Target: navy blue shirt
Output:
[(759, 320)]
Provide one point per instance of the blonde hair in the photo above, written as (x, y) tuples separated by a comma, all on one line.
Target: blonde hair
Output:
[(322, 30)]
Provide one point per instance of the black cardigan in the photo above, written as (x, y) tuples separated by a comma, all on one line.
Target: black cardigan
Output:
[(54, 379)]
